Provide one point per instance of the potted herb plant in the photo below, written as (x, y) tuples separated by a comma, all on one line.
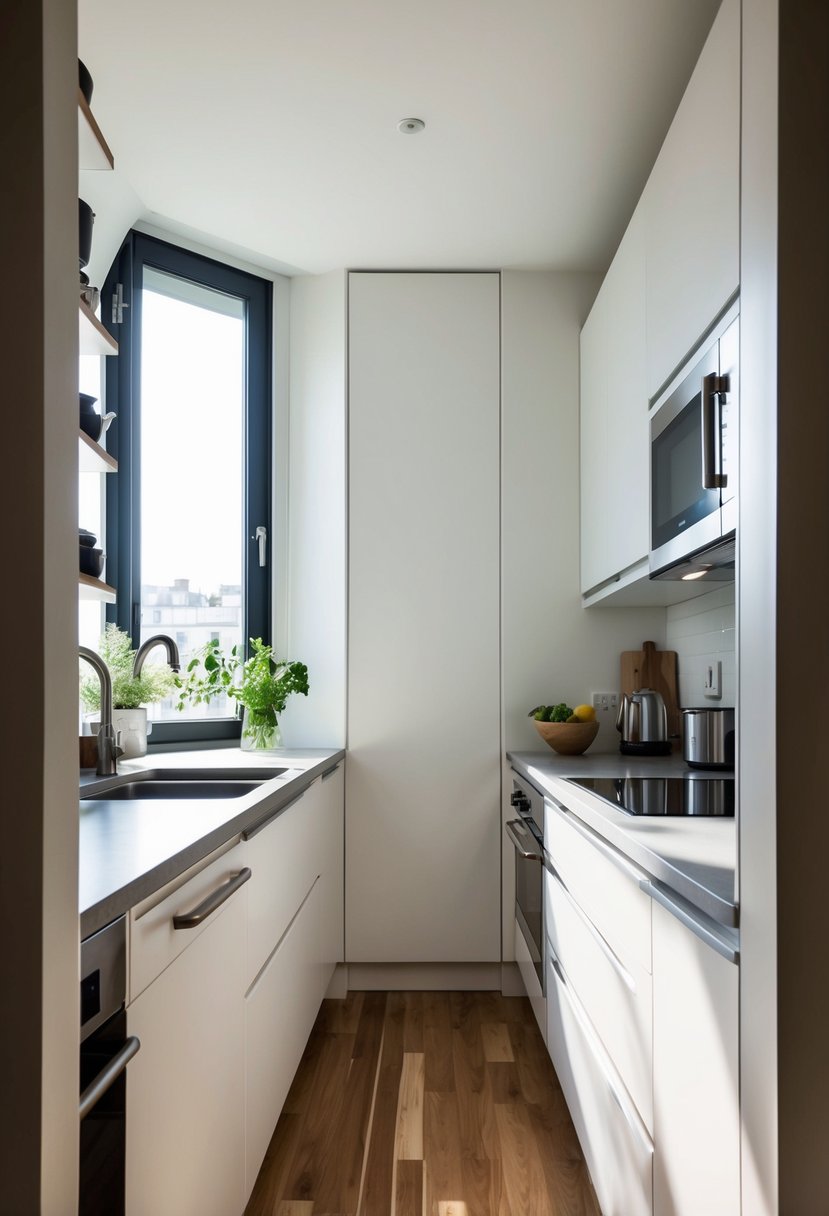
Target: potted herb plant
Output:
[(130, 692), (261, 684)]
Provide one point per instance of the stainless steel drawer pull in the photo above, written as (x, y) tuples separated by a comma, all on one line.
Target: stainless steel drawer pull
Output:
[(249, 833), (189, 920), (107, 1077), (525, 843), (329, 772), (723, 944)]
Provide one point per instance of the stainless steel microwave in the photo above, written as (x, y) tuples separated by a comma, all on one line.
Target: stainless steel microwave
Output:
[(694, 435)]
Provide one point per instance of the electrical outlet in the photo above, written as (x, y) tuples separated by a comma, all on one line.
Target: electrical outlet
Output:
[(605, 702), (712, 680)]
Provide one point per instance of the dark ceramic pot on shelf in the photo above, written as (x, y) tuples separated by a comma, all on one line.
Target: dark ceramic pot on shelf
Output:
[(86, 218), (92, 425), (85, 83), (91, 561)]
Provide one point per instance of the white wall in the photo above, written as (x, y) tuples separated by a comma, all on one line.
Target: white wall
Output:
[(314, 629), (702, 631), (553, 649)]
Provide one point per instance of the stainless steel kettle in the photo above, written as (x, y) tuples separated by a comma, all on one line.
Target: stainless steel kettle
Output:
[(643, 723)]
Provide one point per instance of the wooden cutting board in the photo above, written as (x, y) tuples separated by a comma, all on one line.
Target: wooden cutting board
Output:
[(657, 669)]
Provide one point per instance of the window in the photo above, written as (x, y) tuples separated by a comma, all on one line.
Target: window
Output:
[(192, 393)]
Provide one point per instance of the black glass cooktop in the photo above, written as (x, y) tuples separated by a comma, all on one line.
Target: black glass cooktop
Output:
[(668, 796)]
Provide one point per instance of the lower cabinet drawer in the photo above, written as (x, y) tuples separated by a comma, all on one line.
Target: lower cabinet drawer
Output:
[(280, 1010), (185, 1121), (615, 1142), (603, 882), (285, 859), (154, 940), (617, 998)]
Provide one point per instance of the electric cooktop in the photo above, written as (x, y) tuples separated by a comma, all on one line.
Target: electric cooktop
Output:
[(668, 796)]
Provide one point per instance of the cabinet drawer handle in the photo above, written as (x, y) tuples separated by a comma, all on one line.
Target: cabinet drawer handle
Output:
[(722, 944), (249, 833), (189, 920), (520, 837), (329, 772), (107, 1077)]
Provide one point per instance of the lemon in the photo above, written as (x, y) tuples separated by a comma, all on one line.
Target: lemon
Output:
[(584, 713)]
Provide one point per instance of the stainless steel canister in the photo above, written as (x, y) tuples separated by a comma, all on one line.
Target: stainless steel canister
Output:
[(708, 737)]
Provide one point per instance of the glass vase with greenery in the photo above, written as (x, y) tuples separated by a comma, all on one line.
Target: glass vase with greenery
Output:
[(260, 683)]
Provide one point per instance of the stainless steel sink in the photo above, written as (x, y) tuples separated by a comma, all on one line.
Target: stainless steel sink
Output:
[(181, 784), (192, 790)]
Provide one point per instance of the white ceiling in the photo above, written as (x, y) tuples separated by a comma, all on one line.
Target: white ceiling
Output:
[(269, 126)]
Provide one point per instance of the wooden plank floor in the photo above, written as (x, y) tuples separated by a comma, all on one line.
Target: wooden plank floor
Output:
[(424, 1104)]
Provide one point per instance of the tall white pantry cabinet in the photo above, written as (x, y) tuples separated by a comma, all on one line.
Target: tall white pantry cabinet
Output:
[(423, 776)]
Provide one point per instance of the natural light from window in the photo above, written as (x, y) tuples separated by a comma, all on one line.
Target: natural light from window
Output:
[(192, 470)]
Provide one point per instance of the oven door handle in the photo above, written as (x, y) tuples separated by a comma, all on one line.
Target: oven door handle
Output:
[(521, 837), (107, 1077)]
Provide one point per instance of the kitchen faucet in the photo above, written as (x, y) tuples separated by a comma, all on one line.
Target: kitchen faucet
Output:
[(108, 749), (158, 639)]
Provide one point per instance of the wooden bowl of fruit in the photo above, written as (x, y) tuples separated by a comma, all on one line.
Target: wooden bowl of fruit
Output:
[(567, 731)]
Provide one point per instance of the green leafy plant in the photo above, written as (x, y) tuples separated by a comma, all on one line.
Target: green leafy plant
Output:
[(552, 713), (261, 683), (128, 691)]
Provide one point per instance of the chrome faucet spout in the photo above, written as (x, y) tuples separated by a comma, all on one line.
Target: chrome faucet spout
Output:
[(108, 750), (158, 639)]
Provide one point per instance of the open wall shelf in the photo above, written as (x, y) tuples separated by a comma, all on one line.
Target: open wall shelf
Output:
[(93, 149), (93, 589), (92, 337), (92, 458)]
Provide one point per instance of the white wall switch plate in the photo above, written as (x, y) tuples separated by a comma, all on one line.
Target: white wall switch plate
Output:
[(712, 680), (605, 702)]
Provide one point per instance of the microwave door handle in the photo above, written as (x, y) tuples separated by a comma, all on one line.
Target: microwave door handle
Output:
[(711, 479)]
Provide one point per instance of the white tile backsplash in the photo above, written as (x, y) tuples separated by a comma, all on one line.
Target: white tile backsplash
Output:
[(702, 631)]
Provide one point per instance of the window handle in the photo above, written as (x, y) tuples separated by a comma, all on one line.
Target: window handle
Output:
[(261, 538)]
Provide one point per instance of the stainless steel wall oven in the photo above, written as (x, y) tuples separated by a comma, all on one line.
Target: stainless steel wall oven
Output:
[(106, 1049), (527, 836)]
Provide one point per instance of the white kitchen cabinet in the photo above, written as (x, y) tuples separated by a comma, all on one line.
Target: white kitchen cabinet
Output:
[(185, 1095), (332, 866), (616, 995), (616, 1144), (692, 206), (596, 561), (696, 1074), (284, 858), (295, 939), (614, 419), (642, 1027), (423, 775), (279, 1013)]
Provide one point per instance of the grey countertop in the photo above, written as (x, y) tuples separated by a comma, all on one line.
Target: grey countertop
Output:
[(128, 849), (696, 857)]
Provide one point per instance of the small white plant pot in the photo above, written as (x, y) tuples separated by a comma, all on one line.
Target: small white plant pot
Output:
[(132, 727)]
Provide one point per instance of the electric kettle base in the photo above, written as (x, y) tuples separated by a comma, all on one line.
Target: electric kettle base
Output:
[(660, 747)]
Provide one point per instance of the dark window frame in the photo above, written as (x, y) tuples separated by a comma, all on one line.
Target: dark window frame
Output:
[(123, 384)]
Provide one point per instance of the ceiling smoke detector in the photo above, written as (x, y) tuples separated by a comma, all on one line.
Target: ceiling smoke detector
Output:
[(410, 126)]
